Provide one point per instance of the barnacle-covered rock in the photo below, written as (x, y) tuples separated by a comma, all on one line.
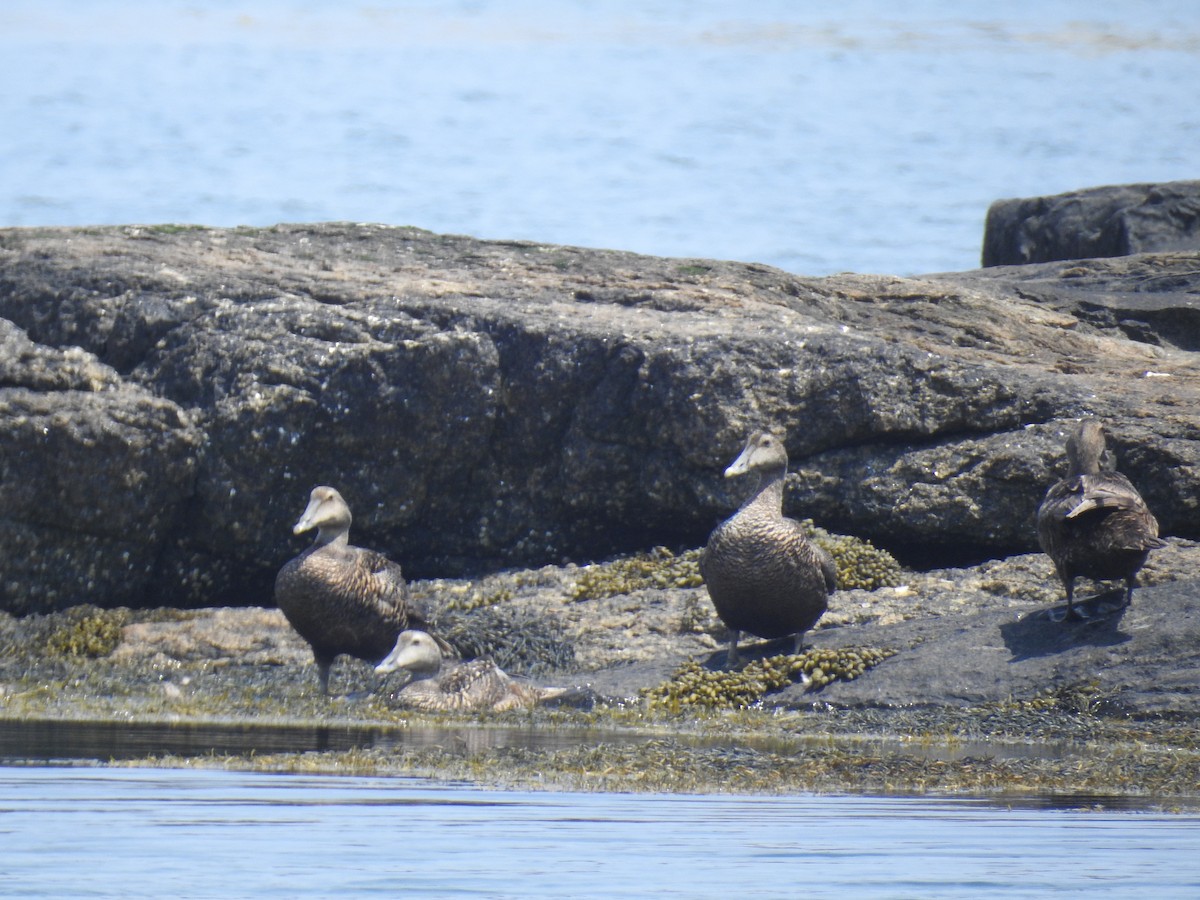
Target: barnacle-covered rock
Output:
[(860, 564), (694, 686), (659, 568)]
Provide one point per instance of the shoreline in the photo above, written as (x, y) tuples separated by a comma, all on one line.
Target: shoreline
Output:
[(193, 674)]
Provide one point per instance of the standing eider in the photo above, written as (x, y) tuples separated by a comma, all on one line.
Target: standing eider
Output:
[(763, 573), (341, 598), (478, 685), (1094, 523)]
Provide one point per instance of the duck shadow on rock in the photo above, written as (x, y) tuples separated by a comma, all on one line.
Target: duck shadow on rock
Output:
[(1048, 631)]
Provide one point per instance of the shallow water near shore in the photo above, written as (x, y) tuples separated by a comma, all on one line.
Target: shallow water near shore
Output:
[(81, 828), (107, 832), (25, 741)]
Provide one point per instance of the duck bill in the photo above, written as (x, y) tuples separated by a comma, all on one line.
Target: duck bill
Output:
[(307, 520), (399, 658), (741, 465)]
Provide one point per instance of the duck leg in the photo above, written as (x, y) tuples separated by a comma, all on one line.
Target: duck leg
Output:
[(1073, 612), (323, 667), (1130, 584), (732, 658)]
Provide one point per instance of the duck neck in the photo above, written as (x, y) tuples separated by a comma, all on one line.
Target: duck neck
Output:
[(336, 536), (426, 669), (768, 494), (1084, 461)]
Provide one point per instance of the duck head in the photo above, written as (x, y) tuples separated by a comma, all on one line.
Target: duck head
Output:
[(764, 452), (415, 651), (1087, 449), (327, 512)]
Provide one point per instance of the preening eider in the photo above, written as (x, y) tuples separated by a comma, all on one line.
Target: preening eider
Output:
[(1094, 523)]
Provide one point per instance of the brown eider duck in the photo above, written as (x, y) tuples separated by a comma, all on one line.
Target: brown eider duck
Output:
[(478, 685), (763, 573), (1094, 523), (341, 598)]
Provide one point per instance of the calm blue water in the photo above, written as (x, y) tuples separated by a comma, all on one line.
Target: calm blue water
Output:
[(163, 833), (861, 135)]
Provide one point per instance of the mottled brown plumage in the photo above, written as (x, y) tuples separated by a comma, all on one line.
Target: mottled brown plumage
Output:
[(475, 686), (763, 573), (342, 598), (1094, 523)]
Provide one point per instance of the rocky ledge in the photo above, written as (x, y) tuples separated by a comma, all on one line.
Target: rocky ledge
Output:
[(168, 396)]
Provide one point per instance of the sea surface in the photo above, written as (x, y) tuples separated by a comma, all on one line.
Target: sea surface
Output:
[(86, 832), (861, 135)]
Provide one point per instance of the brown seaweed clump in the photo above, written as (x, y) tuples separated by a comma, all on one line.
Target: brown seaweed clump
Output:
[(860, 564), (518, 641), (694, 686), (659, 568), (86, 631)]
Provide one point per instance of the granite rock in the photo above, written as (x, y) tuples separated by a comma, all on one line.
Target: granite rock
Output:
[(486, 404)]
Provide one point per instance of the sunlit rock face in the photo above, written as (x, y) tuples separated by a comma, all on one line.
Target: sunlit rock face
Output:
[(169, 396)]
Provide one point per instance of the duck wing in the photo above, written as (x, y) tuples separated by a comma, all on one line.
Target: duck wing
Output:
[(1105, 491)]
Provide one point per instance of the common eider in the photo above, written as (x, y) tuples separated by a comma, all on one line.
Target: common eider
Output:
[(478, 685), (1094, 523), (762, 572), (341, 598)]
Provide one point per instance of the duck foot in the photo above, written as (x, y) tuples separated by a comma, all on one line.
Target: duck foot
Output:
[(1107, 608), (1074, 614)]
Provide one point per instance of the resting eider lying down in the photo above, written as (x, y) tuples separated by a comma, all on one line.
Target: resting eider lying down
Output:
[(478, 685)]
